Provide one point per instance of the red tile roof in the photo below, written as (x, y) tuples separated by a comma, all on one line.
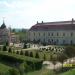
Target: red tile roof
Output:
[(63, 25)]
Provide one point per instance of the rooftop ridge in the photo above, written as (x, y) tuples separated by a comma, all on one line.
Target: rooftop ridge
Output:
[(57, 23)]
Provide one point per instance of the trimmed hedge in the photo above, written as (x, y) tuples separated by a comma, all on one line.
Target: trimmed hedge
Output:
[(15, 58)]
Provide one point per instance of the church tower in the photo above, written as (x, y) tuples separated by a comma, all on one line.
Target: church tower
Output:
[(3, 25)]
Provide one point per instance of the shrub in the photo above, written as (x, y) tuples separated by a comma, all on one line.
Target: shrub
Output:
[(4, 48), (21, 52), (26, 53), (7, 43), (44, 57), (37, 55), (10, 51), (17, 52), (13, 71), (31, 54), (25, 46)]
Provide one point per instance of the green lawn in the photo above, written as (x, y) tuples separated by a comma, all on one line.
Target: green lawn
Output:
[(4, 68), (70, 72), (42, 72)]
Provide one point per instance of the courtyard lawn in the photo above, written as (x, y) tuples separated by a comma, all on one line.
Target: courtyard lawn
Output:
[(4, 68), (42, 72), (70, 72)]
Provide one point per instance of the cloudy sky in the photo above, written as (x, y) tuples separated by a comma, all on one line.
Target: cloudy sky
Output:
[(25, 13)]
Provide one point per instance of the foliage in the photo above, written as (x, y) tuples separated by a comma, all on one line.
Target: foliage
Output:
[(13, 71), (26, 53), (44, 57), (21, 52), (4, 48), (70, 51), (37, 55), (17, 52), (10, 51), (31, 54), (7, 43), (25, 46)]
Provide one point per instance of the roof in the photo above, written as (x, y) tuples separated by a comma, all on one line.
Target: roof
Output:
[(61, 25)]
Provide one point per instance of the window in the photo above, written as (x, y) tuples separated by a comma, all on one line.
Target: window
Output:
[(44, 39), (34, 33), (71, 42), (39, 34), (48, 34), (71, 34), (57, 40), (44, 34), (63, 41), (52, 34), (57, 34), (63, 34)]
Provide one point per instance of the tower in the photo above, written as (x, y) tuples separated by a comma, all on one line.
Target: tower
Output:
[(3, 25)]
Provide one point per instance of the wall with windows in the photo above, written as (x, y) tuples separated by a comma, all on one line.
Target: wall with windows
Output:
[(53, 37)]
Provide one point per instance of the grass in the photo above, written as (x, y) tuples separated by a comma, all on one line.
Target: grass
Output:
[(70, 72), (42, 72), (4, 68)]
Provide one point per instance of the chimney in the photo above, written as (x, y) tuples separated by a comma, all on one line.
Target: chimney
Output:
[(72, 20), (37, 22), (42, 21)]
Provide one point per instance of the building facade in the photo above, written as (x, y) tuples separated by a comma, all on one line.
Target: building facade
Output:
[(62, 32), (4, 34)]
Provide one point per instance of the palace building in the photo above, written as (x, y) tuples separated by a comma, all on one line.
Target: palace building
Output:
[(59, 33)]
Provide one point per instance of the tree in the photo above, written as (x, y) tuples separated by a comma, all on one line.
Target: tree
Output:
[(21, 52), (26, 53), (70, 51), (37, 55), (17, 52), (61, 57), (10, 51), (25, 46), (44, 57), (31, 54), (4, 48), (7, 43)]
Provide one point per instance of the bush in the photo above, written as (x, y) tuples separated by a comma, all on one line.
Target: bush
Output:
[(21, 52), (10, 51), (31, 54), (24, 68), (17, 52), (37, 55), (26, 53), (13, 71), (70, 51), (4, 48), (7, 43), (44, 57), (25, 46)]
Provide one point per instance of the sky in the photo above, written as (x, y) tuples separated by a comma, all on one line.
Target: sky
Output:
[(26, 13)]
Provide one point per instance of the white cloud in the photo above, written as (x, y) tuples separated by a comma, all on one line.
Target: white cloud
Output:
[(29, 11)]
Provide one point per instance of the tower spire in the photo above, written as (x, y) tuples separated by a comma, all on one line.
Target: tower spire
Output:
[(3, 20)]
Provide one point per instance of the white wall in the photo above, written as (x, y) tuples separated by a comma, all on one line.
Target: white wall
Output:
[(60, 37)]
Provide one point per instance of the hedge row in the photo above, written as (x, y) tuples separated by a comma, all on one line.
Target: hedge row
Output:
[(15, 58)]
